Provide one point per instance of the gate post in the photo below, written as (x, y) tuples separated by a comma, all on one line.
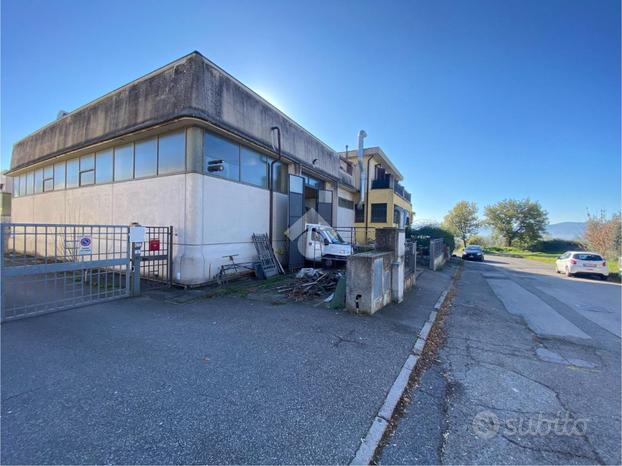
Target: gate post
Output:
[(135, 283), (136, 238)]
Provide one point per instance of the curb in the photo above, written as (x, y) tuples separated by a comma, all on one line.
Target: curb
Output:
[(366, 451)]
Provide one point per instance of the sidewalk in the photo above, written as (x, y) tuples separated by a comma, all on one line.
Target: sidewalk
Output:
[(223, 380)]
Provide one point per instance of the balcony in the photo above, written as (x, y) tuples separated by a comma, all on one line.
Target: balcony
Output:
[(387, 183), (383, 183)]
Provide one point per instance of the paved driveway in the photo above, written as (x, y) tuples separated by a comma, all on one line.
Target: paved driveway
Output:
[(226, 380)]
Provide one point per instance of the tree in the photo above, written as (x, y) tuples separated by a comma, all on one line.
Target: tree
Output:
[(604, 235), (517, 220), (462, 220)]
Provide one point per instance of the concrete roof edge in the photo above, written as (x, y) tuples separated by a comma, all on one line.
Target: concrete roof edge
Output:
[(378, 151), (278, 110), (164, 68), (114, 91)]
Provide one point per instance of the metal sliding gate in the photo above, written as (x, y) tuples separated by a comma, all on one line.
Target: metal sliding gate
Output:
[(48, 267), (51, 267)]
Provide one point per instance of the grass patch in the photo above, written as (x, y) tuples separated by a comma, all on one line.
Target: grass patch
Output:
[(548, 257)]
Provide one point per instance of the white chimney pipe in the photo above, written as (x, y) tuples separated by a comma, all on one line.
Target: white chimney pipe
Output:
[(362, 135)]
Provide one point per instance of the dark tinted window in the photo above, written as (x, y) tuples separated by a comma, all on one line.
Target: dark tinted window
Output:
[(379, 213), (359, 214), (588, 257), (346, 203)]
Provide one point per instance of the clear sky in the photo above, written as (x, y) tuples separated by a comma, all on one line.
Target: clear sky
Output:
[(475, 100)]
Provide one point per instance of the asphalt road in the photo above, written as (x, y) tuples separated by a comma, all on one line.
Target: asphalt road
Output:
[(529, 373), (230, 380)]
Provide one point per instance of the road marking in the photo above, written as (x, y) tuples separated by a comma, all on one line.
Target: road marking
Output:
[(540, 317)]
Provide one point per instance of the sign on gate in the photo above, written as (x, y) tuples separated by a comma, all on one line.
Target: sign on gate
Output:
[(85, 248)]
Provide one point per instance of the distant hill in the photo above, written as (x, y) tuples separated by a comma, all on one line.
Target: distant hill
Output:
[(566, 230)]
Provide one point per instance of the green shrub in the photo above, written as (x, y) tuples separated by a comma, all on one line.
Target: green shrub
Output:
[(423, 234), (556, 246)]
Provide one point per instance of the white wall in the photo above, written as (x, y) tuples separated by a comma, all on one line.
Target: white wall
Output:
[(345, 217), (211, 217)]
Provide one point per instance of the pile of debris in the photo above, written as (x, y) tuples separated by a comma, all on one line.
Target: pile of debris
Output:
[(312, 283)]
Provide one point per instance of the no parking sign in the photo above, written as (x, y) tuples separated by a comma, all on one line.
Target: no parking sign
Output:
[(85, 245)]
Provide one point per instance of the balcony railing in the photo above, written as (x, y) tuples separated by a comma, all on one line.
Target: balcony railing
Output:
[(383, 183), (387, 183)]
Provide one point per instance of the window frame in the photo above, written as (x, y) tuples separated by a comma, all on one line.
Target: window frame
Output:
[(82, 171), (47, 178), (378, 205), (183, 133)]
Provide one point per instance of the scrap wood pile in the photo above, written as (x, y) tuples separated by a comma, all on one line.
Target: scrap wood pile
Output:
[(311, 283)]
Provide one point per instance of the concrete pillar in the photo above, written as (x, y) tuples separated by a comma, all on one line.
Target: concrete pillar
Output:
[(393, 240), (192, 263)]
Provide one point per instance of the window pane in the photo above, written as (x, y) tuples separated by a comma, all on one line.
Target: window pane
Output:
[(48, 185), (72, 173), (172, 153), (379, 213), (22, 185), (359, 213), (103, 167), (254, 169), (16, 181), (39, 180), (124, 162), (146, 158), (30, 182), (59, 175), (87, 162), (279, 177), (48, 172), (222, 153), (87, 178)]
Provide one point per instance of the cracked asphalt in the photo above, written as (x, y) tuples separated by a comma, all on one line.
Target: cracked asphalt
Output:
[(529, 373)]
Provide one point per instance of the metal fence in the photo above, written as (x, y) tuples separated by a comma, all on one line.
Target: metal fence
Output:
[(357, 236), (51, 267), (410, 258)]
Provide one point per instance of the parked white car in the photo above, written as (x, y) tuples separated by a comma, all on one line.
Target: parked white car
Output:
[(573, 262)]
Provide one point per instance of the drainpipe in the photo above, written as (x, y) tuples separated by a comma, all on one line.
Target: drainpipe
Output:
[(362, 135), (367, 208), (271, 180)]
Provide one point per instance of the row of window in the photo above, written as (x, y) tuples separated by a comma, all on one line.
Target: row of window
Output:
[(235, 162), (346, 203), (378, 213), (162, 155)]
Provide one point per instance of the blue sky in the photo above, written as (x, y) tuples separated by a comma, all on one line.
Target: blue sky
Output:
[(475, 100)]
